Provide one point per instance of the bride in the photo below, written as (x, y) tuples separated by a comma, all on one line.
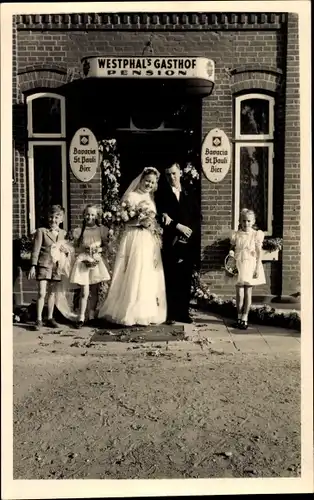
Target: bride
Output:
[(137, 293)]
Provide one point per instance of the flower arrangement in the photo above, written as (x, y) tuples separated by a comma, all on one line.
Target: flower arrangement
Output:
[(272, 244), (258, 314), (26, 246)]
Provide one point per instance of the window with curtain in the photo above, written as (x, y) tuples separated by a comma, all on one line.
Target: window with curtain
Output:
[(254, 151)]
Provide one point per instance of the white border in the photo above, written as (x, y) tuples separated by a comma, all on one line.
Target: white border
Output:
[(19, 489), (255, 137), (29, 103), (31, 189), (237, 167)]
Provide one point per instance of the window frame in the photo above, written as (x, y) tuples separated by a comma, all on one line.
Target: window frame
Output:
[(31, 184), (43, 135), (254, 137), (237, 168)]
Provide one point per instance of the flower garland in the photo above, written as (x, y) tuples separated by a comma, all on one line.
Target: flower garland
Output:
[(110, 162), (258, 314)]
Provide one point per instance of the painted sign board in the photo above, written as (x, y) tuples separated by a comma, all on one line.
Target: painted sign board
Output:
[(149, 67), (216, 155), (84, 155)]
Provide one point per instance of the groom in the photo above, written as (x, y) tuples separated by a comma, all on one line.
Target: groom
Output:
[(180, 221)]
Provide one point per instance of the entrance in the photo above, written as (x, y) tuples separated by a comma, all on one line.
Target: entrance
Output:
[(157, 134), (154, 123)]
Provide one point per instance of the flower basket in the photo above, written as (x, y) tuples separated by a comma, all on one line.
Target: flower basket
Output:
[(90, 263), (230, 266)]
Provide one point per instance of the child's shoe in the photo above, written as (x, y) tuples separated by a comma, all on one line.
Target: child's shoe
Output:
[(38, 326), (244, 325), (237, 324), (51, 323)]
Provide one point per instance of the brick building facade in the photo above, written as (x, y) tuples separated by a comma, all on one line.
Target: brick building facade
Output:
[(256, 67)]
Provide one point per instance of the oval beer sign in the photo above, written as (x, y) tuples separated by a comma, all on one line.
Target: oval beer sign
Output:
[(84, 155), (216, 155)]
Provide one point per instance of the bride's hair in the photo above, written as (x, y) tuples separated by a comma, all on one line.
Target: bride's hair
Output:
[(97, 221), (149, 171)]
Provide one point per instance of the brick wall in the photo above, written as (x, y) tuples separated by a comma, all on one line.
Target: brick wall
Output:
[(291, 212), (229, 50)]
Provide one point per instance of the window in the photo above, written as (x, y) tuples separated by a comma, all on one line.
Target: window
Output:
[(45, 116), (254, 117), (47, 178), (254, 151), (47, 164)]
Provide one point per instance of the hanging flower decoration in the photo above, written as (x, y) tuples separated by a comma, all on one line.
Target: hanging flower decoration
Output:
[(190, 176)]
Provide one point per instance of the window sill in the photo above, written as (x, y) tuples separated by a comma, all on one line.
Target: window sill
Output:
[(270, 256)]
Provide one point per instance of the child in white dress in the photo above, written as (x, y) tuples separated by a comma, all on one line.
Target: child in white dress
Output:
[(89, 268), (247, 245)]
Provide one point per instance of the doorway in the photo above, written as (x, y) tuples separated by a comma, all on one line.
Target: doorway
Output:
[(149, 149)]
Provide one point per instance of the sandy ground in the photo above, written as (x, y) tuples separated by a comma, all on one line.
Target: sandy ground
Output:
[(185, 409)]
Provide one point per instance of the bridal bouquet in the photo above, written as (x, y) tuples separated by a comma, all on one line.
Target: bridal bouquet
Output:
[(138, 216)]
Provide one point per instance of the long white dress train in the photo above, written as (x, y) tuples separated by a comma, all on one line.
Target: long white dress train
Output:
[(137, 294)]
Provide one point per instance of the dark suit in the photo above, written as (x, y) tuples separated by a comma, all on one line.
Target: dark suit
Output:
[(178, 257)]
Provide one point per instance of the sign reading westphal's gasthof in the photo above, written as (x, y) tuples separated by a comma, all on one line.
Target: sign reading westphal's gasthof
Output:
[(84, 155), (149, 67), (216, 155)]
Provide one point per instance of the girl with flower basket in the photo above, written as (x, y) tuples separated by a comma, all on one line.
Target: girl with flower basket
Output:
[(246, 267), (89, 267), (137, 292)]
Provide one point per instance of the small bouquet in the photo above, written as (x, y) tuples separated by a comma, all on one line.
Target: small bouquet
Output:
[(62, 253), (92, 255)]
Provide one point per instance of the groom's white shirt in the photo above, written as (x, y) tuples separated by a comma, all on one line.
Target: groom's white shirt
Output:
[(177, 192)]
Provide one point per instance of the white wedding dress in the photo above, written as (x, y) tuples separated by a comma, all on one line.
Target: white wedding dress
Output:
[(137, 294)]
